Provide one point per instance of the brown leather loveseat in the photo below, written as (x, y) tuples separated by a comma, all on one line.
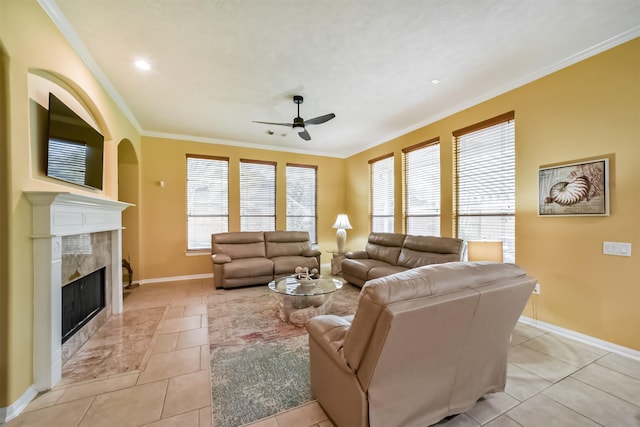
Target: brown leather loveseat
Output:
[(424, 344), (244, 258), (389, 253)]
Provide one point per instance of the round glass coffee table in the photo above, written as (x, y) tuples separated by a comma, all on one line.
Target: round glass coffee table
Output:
[(300, 300)]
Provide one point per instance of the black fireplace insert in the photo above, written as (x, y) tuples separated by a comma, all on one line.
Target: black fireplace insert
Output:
[(81, 301)]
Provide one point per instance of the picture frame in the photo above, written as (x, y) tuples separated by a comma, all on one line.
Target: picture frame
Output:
[(574, 189)]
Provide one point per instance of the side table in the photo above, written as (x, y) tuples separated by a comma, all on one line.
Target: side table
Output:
[(336, 261)]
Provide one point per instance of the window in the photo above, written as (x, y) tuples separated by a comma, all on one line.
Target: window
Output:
[(207, 200), (257, 196), (381, 181), (422, 188), (484, 156), (301, 199)]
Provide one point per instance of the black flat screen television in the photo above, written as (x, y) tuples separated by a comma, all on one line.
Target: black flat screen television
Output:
[(74, 148)]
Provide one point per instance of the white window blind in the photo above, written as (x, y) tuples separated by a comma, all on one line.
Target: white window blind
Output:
[(485, 166), (422, 189), (301, 199), (207, 200), (257, 196), (382, 195)]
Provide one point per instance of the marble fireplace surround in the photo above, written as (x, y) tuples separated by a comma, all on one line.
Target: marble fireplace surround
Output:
[(58, 214)]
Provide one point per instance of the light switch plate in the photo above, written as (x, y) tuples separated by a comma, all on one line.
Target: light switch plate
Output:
[(616, 248)]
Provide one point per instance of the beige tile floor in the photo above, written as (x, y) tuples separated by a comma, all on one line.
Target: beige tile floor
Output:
[(146, 367), (552, 381)]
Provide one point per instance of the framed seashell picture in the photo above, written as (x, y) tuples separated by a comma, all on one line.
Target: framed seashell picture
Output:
[(574, 189)]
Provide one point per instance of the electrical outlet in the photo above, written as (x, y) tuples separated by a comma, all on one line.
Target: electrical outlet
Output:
[(536, 289)]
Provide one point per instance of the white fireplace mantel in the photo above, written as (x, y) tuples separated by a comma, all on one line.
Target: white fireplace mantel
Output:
[(57, 214)]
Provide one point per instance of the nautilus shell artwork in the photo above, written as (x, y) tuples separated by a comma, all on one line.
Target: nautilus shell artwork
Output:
[(571, 192), (574, 189)]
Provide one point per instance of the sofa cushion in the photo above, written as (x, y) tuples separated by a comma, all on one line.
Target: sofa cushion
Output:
[(359, 268), (288, 264), (439, 245), (385, 246), (286, 243), (425, 250), (248, 267), (411, 259), (238, 244), (384, 270), (230, 283)]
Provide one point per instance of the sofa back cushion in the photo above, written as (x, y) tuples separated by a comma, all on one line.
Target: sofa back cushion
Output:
[(239, 244), (385, 246), (425, 250), (286, 243)]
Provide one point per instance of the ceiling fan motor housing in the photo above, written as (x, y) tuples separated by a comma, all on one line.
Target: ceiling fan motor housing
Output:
[(298, 122)]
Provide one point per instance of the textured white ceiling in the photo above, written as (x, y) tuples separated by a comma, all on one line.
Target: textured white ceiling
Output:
[(219, 65)]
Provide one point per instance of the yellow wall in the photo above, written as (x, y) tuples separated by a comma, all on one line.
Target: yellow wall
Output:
[(591, 109), (163, 209), (31, 43), (588, 110)]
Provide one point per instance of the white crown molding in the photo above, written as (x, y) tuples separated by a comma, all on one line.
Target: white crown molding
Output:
[(206, 140), (52, 9), (571, 60)]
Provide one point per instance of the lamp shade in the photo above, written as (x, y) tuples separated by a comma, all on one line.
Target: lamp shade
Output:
[(484, 250), (342, 221)]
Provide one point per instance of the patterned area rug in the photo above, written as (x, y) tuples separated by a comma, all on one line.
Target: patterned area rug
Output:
[(259, 364)]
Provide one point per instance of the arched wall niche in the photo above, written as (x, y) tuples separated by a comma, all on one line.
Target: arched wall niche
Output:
[(40, 84), (126, 152)]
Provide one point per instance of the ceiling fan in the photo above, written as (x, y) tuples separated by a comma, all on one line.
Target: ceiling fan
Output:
[(299, 123)]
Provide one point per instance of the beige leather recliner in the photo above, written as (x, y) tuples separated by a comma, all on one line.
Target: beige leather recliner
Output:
[(424, 344)]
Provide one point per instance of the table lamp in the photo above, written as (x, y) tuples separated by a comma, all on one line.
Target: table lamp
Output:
[(484, 250), (342, 224)]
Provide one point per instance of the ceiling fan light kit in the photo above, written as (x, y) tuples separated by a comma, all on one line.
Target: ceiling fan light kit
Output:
[(299, 124)]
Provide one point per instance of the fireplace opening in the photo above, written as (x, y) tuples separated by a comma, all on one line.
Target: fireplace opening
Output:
[(81, 301)]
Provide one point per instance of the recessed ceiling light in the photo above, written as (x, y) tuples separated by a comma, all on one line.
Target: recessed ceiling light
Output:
[(435, 81), (143, 65)]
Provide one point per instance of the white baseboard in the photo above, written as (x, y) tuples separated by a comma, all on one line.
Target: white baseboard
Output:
[(175, 278), (9, 413), (586, 339)]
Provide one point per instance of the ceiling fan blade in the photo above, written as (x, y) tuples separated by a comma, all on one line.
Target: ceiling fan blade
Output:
[(271, 123), (305, 135), (319, 120)]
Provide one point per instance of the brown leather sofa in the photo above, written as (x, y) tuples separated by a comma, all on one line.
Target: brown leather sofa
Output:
[(389, 253), (423, 344), (244, 258)]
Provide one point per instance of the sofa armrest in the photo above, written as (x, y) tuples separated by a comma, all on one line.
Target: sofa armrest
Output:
[(311, 252), (357, 255), (328, 332), (220, 258)]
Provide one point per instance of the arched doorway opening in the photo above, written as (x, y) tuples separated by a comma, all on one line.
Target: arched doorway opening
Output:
[(128, 191)]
